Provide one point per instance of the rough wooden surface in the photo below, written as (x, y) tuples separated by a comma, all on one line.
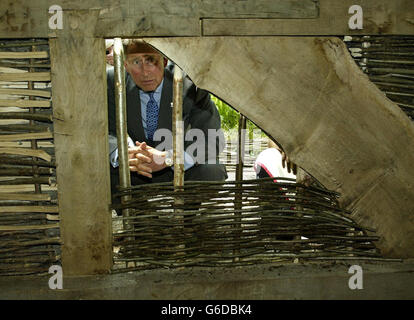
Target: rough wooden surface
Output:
[(290, 281), (80, 131), (25, 103), (310, 95), (126, 18), (379, 17)]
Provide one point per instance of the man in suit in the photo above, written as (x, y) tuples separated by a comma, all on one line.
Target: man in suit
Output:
[(148, 84)]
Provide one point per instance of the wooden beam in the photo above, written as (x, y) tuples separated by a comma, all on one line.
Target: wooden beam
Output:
[(178, 18), (127, 18), (281, 9), (81, 146), (379, 17), (309, 95)]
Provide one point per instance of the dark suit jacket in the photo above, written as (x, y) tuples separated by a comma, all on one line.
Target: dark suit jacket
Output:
[(199, 111)]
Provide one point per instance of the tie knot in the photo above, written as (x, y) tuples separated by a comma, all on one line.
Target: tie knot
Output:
[(151, 95)]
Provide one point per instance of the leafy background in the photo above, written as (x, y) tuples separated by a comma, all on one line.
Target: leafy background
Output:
[(230, 121)]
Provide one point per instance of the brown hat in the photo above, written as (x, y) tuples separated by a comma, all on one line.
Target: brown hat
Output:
[(137, 46)]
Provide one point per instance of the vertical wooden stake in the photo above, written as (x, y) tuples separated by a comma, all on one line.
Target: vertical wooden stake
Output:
[(240, 149), (239, 174), (81, 145), (121, 131), (178, 142), (178, 128), (121, 122), (33, 142)]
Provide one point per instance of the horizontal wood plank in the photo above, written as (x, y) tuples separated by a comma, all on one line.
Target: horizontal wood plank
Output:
[(281, 9), (26, 115), (30, 227), (27, 152), (126, 18), (25, 103), (26, 136), (379, 17), (26, 76), (52, 217), (27, 92), (23, 55), (25, 188), (25, 196), (22, 144), (38, 209)]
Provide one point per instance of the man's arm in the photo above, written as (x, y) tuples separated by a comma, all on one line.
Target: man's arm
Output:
[(113, 149)]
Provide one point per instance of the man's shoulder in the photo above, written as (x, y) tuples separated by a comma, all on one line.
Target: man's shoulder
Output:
[(169, 75)]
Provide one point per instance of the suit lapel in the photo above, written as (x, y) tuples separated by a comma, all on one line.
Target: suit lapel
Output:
[(165, 113), (134, 117)]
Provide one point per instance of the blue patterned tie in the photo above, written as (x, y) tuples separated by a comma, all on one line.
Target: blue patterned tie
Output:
[(152, 116)]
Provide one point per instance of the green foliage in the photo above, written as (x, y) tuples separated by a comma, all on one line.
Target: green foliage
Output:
[(229, 116)]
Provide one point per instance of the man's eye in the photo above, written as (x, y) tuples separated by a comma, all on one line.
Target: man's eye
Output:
[(152, 61)]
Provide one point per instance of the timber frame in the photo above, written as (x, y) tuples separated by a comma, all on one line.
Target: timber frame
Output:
[(79, 81)]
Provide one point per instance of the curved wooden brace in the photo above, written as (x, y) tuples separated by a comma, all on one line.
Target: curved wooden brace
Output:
[(309, 94)]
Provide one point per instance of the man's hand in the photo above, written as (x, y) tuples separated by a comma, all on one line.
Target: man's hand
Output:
[(139, 161), (145, 160), (287, 163)]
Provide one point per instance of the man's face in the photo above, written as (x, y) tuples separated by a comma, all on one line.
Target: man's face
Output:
[(147, 69)]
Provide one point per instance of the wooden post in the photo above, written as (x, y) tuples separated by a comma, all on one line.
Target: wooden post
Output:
[(121, 123), (240, 149), (33, 142), (81, 143), (178, 129), (178, 141), (121, 132), (239, 175)]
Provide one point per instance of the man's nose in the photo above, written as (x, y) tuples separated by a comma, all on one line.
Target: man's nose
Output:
[(145, 69), (140, 72)]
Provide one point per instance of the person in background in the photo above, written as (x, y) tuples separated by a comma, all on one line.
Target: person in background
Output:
[(272, 162)]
